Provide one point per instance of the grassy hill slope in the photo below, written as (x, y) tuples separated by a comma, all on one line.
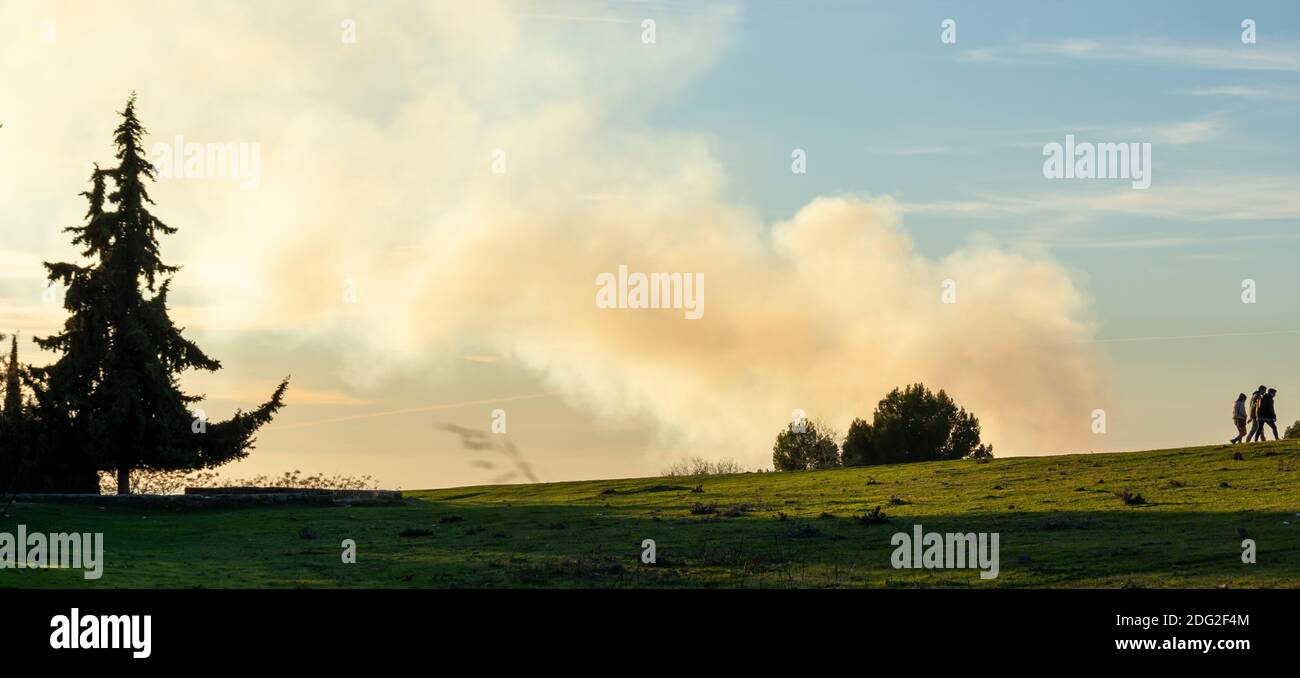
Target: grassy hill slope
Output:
[(1059, 521)]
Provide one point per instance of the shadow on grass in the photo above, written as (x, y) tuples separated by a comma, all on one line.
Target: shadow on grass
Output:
[(759, 548), (594, 544)]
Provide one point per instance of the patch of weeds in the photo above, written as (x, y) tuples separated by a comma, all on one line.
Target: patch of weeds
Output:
[(1224, 483), (451, 519), (704, 509), (698, 489), (1130, 498), (416, 532), (658, 488), (1174, 483), (308, 533), (873, 517), (471, 531), (735, 511), (895, 500)]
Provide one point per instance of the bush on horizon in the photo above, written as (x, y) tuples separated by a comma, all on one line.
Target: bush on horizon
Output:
[(807, 448)]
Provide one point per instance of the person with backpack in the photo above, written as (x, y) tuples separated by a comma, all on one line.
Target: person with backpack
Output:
[(1239, 417)]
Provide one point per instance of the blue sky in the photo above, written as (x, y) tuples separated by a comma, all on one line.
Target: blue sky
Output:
[(882, 107)]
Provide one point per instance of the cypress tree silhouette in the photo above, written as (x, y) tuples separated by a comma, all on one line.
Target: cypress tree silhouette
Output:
[(113, 398), (12, 446), (13, 385)]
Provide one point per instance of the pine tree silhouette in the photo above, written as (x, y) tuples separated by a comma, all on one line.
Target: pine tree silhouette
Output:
[(13, 403), (11, 447), (113, 398)]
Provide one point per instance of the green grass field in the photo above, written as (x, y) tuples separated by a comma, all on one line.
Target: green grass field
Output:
[(1059, 521)]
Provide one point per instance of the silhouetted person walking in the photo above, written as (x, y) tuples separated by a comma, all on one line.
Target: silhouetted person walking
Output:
[(1254, 413), (1239, 417), (1267, 414)]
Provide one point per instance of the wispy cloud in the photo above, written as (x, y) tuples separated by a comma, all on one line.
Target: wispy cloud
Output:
[(1175, 132), (985, 55), (1179, 133), (1212, 256), (299, 396), (1168, 337), (422, 408), (1170, 241), (1247, 198), (1144, 50), (1255, 93)]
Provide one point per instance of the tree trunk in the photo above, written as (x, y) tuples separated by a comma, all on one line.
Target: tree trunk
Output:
[(124, 480)]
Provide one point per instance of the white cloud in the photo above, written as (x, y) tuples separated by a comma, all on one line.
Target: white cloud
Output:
[(376, 168), (1178, 133)]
